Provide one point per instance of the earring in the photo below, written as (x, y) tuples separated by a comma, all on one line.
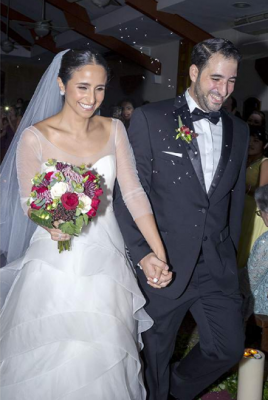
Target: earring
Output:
[(62, 93)]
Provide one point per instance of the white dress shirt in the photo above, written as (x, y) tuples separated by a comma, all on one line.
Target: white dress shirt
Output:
[(209, 141)]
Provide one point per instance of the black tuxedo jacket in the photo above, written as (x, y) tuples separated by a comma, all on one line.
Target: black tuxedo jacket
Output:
[(188, 218)]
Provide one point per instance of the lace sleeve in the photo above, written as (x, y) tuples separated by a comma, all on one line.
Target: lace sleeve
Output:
[(133, 193), (28, 162)]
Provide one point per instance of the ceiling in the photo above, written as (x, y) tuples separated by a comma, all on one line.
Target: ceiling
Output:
[(127, 27)]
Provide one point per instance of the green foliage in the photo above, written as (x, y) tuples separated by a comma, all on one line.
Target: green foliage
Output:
[(73, 228), (41, 217), (38, 179), (86, 219), (265, 391), (64, 245)]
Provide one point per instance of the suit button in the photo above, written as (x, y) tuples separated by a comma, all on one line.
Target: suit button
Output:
[(203, 210), (205, 238)]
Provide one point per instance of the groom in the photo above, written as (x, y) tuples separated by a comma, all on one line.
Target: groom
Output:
[(196, 184)]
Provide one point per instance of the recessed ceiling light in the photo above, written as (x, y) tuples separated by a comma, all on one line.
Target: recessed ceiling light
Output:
[(241, 5)]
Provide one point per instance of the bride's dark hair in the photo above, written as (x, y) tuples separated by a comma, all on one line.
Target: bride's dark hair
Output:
[(75, 59)]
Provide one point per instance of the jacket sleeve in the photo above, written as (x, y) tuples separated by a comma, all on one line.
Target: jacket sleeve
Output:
[(139, 138)]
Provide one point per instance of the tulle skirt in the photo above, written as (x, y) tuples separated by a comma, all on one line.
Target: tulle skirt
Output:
[(71, 324)]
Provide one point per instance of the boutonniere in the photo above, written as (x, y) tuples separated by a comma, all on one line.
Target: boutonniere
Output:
[(184, 132)]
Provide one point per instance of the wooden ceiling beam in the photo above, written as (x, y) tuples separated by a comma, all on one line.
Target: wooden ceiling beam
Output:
[(173, 22), (15, 36), (79, 20), (46, 42)]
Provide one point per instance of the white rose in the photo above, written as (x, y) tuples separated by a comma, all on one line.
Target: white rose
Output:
[(58, 190), (49, 168), (86, 203)]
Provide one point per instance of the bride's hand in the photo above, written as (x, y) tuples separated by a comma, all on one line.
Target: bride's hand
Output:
[(56, 234)]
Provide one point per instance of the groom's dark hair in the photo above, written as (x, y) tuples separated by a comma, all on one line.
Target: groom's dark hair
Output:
[(204, 50)]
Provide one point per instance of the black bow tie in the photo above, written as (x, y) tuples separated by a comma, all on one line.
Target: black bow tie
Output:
[(212, 116)]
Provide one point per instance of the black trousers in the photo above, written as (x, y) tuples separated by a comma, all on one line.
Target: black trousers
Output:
[(221, 332)]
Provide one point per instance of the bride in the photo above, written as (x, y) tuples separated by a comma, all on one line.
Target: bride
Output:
[(71, 323)]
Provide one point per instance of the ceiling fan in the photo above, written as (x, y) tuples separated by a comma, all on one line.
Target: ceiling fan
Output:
[(44, 26), (7, 45), (100, 3)]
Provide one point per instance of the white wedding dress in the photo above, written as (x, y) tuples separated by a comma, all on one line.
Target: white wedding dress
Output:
[(71, 323)]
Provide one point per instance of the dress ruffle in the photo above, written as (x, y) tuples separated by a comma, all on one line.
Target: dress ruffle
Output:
[(72, 322)]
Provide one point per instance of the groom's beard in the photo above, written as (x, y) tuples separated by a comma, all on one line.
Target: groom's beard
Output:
[(203, 99)]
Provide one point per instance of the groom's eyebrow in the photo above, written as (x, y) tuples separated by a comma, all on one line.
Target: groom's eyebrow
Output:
[(221, 76)]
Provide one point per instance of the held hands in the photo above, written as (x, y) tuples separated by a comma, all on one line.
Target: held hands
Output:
[(156, 271)]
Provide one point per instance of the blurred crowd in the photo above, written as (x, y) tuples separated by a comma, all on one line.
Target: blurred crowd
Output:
[(10, 117)]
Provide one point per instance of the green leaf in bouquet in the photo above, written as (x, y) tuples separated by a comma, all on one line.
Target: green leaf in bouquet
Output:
[(85, 178), (55, 203), (78, 187), (59, 177), (42, 218), (79, 170), (40, 202), (79, 223), (81, 204), (52, 183), (68, 227), (86, 219), (77, 212), (51, 162)]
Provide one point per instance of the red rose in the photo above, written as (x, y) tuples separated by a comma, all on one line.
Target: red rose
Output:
[(40, 189), (48, 175), (35, 207), (91, 177), (185, 130), (98, 192), (69, 201), (95, 203), (91, 213)]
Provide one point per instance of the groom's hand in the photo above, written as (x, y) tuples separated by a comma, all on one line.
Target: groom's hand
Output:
[(156, 271)]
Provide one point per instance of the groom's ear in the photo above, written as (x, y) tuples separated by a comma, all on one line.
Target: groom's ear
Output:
[(193, 72)]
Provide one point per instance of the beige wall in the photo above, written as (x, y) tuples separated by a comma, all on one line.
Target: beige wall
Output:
[(168, 55)]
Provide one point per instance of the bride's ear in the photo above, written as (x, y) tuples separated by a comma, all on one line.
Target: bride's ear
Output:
[(61, 86)]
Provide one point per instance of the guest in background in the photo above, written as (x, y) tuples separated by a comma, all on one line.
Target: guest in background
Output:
[(254, 277), (6, 134), (256, 118), (257, 175), (19, 104), (128, 106), (13, 118), (230, 105)]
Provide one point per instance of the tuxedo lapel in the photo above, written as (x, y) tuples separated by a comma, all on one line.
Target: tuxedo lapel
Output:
[(182, 110), (227, 139)]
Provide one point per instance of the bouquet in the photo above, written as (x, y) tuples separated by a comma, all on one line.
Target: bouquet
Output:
[(65, 197)]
